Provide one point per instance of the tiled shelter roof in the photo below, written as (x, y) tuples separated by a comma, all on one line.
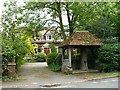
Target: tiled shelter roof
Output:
[(82, 38)]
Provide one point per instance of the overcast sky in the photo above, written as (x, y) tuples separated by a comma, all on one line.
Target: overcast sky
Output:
[(1, 6)]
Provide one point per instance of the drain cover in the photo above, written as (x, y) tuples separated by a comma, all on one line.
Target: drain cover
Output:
[(51, 85)]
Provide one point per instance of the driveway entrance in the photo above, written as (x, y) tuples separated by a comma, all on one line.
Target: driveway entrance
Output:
[(37, 75)]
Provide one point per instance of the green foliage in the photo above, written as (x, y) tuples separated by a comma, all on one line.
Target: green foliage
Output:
[(79, 15), (41, 57), (6, 78), (9, 53), (51, 58), (14, 40), (108, 58), (52, 47), (4, 66), (54, 61), (101, 29), (32, 60), (118, 22), (54, 67), (24, 61)]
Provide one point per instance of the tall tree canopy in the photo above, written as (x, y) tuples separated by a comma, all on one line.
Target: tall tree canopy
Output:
[(78, 14), (118, 21)]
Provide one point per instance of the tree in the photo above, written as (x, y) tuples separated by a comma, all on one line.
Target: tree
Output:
[(118, 22), (79, 15), (14, 40), (104, 27)]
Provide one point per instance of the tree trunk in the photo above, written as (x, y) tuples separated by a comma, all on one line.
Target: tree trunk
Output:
[(84, 65), (60, 18), (69, 21)]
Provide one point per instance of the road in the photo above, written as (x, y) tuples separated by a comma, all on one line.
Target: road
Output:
[(37, 75), (101, 83)]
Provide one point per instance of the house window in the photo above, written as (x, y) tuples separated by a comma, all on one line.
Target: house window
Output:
[(48, 37)]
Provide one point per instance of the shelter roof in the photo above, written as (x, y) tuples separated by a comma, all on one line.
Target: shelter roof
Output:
[(82, 38)]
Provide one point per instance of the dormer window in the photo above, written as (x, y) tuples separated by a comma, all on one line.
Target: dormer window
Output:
[(48, 37)]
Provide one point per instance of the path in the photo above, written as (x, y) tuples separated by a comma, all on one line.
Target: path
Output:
[(36, 75)]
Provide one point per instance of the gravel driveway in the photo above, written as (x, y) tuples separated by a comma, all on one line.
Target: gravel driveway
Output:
[(37, 75)]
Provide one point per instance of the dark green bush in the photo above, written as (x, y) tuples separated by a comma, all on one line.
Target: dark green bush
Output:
[(54, 61), (108, 58), (51, 58), (41, 57)]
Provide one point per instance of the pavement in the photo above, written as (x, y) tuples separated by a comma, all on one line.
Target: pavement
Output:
[(37, 75)]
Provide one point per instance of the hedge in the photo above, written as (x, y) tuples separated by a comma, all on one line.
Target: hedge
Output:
[(40, 57), (108, 58), (54, 61)]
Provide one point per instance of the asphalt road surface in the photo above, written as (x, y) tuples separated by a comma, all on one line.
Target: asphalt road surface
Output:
[(101, 83)]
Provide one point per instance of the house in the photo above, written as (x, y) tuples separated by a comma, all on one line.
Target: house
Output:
[(45, 39)]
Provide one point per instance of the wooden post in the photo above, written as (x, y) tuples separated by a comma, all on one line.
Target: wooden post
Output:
[(66, 65), (62, 55), (69, 52)]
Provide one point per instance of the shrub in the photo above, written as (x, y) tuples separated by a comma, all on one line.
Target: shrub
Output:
[(108, 58), (51, 57), (54, 61), (41, 57), (31, 60), (54, 67), (18, 64), (24, 61), (59, 59), (52, 46)]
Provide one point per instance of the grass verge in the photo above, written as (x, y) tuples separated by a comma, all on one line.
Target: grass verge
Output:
[(101, 75)]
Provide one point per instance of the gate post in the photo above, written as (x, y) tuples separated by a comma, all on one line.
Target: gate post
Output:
[(11, 69)]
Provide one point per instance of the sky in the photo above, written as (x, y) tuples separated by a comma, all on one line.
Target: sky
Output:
[(2, 2), (1, 6)]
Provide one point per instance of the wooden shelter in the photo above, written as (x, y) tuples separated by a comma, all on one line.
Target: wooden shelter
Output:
[(82, 40)]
